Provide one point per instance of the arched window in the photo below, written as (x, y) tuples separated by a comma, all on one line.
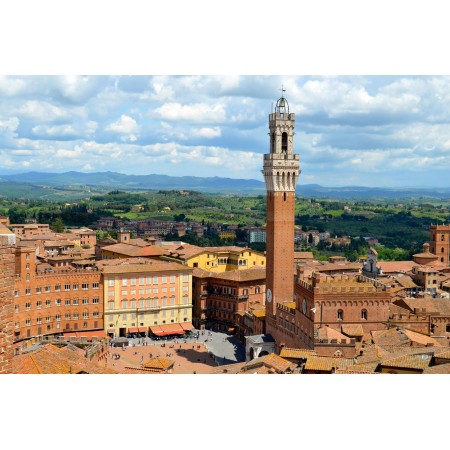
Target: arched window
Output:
[(442, 250), (442, 237), (284, 142), (364, 314), (340, 314)]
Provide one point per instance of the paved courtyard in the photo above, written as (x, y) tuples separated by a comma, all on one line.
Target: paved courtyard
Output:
[(199, 355)]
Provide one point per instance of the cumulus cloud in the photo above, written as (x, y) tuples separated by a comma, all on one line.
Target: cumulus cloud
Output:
[(199, 112), (126, 126)]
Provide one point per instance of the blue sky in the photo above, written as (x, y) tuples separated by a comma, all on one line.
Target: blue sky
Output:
[(350, 130)]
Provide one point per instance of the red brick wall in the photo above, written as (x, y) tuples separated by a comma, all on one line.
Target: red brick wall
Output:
[(6, 305), (280, 248)]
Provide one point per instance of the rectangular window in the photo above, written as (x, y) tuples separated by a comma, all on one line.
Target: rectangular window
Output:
[(96, 315), (95, 300), (164, 313), (141, 291), (48, 318), (47, 288), (110, 305), (124, 317), (141, 281), (164, 302), (124, 304), (75, 287), (172, 289), (133, 281), (38, 305), (149, 303), (28, 306), (111, 283), (155, 280), (94, 285), (133, 303), (85, 301), (48, 303), (164, 280), (85, 286), (27, 291), (75, 301), (185, 288), (17, 324), (28, 322), (185, 278), (124, 282), (16, 308), (155, 290), (58, 302), (16, 293), (58, 317), (148, 291), (67, 302), (124, 292), (172, 313), (164, 289), (39, 320), (67, 287), (67, 316), (57, 287), (172, 279), (133, 292), (38, 290), (85, 315), (75, 316), (110, 293), (149, 280), (172, 302), (141, 303)]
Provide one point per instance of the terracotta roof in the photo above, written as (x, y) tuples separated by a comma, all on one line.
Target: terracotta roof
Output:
[(396, 266), (431, 305), (440, 368), (421, 338), (406, 282), (49, 359), (303, 255), (272, 361), (327, 363), (134, 250), (251, 274), (353, 330), (330, 333), (159, 363), (228, 368), (150, 266), (417, 361), (260, 312), (297, 353)]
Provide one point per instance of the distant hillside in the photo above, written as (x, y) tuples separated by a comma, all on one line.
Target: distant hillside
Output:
[(78, 181), (122, 181)]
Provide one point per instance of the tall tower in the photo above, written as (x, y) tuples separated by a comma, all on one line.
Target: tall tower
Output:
[(281, 170)]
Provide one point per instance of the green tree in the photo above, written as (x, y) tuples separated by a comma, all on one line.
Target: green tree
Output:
[(57, 225)]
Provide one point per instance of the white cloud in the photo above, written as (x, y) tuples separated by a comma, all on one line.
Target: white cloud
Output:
[(199, 112), (10, 86), (124, 125), (208, 133)]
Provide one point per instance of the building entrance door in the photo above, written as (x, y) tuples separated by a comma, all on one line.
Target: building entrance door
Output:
[(122, 332)]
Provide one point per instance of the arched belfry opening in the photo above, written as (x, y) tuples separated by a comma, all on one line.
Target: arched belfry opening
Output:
[(272, 143), (284, 142)]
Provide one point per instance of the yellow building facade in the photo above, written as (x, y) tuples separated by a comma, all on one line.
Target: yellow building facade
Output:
[(218, 259)]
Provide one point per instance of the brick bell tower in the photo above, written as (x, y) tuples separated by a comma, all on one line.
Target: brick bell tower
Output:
[(281, 171)]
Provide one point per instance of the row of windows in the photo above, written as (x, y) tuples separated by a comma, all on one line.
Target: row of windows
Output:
[(340, 314), (147, 303), (58, 317), (111, 325), (57, 288), (58, 302), (142, 281)]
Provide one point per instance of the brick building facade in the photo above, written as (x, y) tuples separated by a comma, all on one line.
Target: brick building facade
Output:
[(6, 300)]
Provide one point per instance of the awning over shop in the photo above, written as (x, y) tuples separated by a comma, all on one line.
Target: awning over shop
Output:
[(187, 326), (133, 330), (172, 328), (167, 330)]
